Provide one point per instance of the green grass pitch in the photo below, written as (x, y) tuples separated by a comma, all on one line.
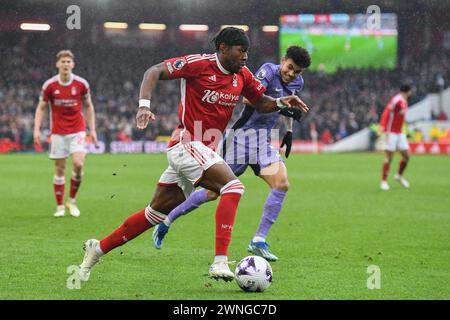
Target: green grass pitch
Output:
[(335, 223), (332, 52)]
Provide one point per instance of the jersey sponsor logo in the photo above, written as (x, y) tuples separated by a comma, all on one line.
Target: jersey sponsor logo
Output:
[(65, 102), (178, 64), (169, 67), (261, 74), (210, 96), (213, 78), (226, 99)]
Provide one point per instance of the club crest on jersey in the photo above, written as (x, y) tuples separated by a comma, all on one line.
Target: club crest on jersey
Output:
[(74, 91), (235, 80), (178, 64)]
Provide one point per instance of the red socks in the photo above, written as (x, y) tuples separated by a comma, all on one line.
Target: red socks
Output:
[(225, 214), (386, 166), (137, 223), (58, 187), (74, 185), (402, 167), (133, 226)]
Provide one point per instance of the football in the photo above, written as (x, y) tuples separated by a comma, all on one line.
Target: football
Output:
[(253, 274)]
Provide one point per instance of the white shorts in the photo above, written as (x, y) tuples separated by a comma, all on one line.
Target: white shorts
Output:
[(63, 146), (396, 141), (187, 164)]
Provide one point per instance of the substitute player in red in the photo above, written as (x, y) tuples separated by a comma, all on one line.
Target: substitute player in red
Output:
[(391, 123), (211, 85), (66, 94)]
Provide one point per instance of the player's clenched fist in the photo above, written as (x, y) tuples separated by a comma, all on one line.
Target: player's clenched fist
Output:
[(143, 116)]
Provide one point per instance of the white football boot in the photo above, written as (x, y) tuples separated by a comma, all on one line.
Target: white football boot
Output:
[(91, 258), (402, 181), (60, 211), (220, 270), (73, 209), (384, 185)]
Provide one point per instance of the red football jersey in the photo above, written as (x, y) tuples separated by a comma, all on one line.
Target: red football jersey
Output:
[(394, 114), (65, 101), (209, 94)]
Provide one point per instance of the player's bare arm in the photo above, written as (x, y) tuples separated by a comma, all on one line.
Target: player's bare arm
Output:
[(268, 104), (42, 105), (151, 77), (90, 117)]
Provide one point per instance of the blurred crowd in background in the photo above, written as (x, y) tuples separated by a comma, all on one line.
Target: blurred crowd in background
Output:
[(340, 103)]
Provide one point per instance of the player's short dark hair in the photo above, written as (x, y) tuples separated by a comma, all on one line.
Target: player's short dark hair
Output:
[(231, 36), (405, 88), (299, 55)]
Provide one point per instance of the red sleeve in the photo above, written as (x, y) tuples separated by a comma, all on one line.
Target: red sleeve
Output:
[(404, 104), (384, 117), (45, 93), (253, 88), (184, 67)]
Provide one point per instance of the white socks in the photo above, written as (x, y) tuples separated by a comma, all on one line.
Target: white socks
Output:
[(220, 259), (98, 249), (167, 222), (259, 239)]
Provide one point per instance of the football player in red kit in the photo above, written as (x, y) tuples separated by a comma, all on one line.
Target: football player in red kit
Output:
[(211, 85), (66, 94), (391, 123)]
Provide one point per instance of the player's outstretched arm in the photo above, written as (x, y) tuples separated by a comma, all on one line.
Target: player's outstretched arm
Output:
[(268, 104), (42, 105), (151, 77)]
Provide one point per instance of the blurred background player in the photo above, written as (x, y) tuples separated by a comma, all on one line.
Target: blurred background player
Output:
[(279, 80), (211, 85), (391, 124), (67, 94)]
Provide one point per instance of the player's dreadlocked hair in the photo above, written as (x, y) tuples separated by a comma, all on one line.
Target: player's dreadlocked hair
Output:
[(231, 36), (299, 55)]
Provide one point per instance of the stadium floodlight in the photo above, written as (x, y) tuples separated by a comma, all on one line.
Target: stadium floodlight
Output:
[(240, 26), (270, 28), (35, 26), (152, 26), (193, 27), (115, 25)]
